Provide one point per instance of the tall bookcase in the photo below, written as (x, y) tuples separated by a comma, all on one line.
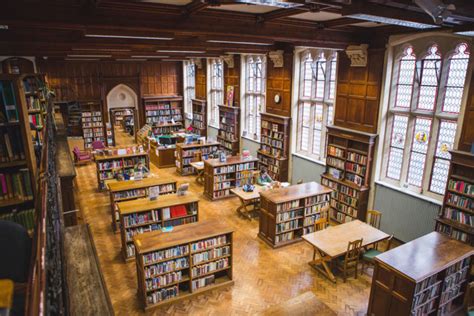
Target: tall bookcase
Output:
[(288, 213), (349, 157), (190, 260), (92, 123), (427, 276), (229, 129), (199, 123), (187, 153), (274, 145), (108, 166), (142, 215), (221, 177), (456, 218), (34, 86), (17, 158), (162, 110), (121, 191)]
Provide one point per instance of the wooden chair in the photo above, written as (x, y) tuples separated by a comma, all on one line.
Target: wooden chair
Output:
[(369, 256), (197, 156), (351, 259), (320, 224), (374, 218)]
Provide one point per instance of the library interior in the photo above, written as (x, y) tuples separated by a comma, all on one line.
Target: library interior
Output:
[(237, 157)]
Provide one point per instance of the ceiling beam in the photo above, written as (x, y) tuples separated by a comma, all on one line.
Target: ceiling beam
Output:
[(340, 22), (198, 5), (280, 13)]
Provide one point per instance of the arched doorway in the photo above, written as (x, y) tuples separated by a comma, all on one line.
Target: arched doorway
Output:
[(122, 105)]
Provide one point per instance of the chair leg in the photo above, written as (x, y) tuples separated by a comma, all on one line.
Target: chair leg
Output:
[(357, 264), (314, 254)]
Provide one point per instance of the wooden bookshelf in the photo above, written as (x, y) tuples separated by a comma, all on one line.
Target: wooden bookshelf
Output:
[(199, 122), (427, 276), (274, 145), (17, 157), (92, 123), (187, 153), (163, 110), (134, 189), (143, 215), (221, 177), (108, 166), (229, 129), (34, 87), (186, 246), (456, 217), (349, 156), (288, 213)]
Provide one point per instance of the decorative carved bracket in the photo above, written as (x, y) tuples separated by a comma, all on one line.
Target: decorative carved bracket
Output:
[(357, 54), (197, 62), (277, 58), (229, 60)]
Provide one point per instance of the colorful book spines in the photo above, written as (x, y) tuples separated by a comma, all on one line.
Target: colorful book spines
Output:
[(26, 218), (461, 186), (16, 185)]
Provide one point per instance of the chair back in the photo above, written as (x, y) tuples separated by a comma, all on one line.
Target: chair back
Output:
[(373, 218), (76, 150), (197, 156), (320, 224), (255, 175), (353, 251)]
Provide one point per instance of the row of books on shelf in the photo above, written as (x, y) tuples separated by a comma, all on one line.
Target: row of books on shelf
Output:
[(185, 169), (160, 130), (461, 186), (459, 216), (273, 134), (33, 102), (162, 120), (336, 152), (8, 103), (341, 188), (160, 214), (315, 209), (460, 201), (209, 267), (90, 114), (309, 220), (340, 217), (11, 145), (356, 168), (269, 125), (165, 254), (454, 233), (227, 129), (209, 243), (32, 84), (166, 267), (202, 282), (357, 158), (25, 218), (294, 224), (180, 221), (133, 220), (351, 156), (163, 294), (281, 217), (198, 117), (206, 150), (223, 185), (121, 163), (93, 134), (300, 203), (346, 199), (335, 162), (92, 119), (163, 112), (36, 119), (285, 237), (270, 161), (227, 136), (348, 210), (272, 142), (111, 174), (221, 194), (199, 124), (16, 185), (234, 168), (152, 107), (163, 280), (90, 125), (271, 151), (211, 254)]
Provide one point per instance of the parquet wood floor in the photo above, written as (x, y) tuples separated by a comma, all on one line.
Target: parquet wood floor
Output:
[(263, 276)]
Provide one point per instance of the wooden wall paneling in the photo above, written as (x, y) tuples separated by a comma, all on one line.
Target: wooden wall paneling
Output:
[(279, 81), (201, 83), (232, 78), (358, 92), (467, 133)]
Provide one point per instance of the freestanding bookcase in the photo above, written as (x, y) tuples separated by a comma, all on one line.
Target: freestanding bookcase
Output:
[(199, 122), (427, 276), (92, 123), (229, 129), (457, 214), (288, 213), (187, 153), (160, 111), (274, 145), (190, 260), (349, 157)]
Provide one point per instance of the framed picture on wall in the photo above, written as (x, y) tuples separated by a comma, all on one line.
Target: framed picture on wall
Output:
[(230, 96)]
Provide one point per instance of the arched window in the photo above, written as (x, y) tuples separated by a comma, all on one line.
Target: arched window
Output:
[(216, 91), (189, 87), (254, 99)]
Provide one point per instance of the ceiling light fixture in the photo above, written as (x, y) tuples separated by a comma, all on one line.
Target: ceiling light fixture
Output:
[(3, 27), (465, 33), (238, 42), (90, 56), (130, 59), (130, 36), (82, 59), (103, 49), (181, 51), (272, 3), (392, 21), (174, 59), (151, 56)]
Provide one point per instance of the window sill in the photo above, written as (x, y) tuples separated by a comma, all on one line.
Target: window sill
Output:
[(314, 160), (251, 139), (414, 194)]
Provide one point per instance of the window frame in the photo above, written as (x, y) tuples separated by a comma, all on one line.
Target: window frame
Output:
[(413, 112), (326, 102), (189, 88), (215, 92), (251, 90)]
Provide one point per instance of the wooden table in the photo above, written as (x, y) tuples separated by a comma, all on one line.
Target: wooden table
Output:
[(247, 199), (199, 166), (332, 242)]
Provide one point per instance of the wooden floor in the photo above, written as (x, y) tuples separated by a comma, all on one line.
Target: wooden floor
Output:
[(264, 277)]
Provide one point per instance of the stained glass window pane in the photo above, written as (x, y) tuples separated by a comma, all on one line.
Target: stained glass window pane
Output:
[(318, 116), (316, 141), (447, 132), (397, 145), (330, 119), (320, 73), (418, 152), (406, 75), (430, 70), (456, 77), (440, 176), (332, 79)]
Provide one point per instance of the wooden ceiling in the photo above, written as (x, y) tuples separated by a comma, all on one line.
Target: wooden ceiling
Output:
[(181, 29)]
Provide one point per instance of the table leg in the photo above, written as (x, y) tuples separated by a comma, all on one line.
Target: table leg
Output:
[(200, 177), (320, 264), (242, 209)]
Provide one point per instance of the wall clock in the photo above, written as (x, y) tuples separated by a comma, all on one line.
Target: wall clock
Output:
[(277, 98)]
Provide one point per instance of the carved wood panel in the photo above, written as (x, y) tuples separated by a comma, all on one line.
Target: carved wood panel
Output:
[(279, 81), (201, 84), (232, 78), (467, 133)]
